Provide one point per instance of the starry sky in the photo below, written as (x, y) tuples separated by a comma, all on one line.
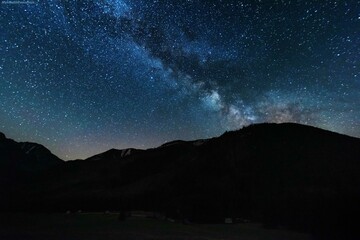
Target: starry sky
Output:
[(81, 77)]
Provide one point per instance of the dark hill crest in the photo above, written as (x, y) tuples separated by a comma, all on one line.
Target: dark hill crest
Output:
[(283, 175)]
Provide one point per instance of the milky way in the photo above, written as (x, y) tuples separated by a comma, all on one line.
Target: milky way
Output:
[(84, 76)]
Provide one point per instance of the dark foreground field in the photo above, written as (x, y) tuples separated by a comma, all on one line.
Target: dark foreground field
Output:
[(107, 227)]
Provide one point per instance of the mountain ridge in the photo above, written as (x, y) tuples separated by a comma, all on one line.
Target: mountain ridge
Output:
[(116, 151), (283, 175), (25, 156)]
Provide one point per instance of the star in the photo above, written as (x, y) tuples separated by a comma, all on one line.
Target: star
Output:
[(82, 77)]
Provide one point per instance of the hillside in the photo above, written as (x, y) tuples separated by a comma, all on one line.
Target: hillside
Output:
[(283, 175)]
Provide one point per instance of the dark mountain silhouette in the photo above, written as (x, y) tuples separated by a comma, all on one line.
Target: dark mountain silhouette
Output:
[(24, 157), (114, 154), (283, 175)]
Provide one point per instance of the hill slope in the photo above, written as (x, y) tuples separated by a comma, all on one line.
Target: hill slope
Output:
[(288, 175), (24, 157)]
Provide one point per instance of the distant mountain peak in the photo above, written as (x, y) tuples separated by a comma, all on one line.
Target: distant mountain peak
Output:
[(2, 136), (175, 142), (25, 156), (114, 154)]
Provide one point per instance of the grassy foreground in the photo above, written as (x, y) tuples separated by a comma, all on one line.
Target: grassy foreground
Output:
[(107, 227)]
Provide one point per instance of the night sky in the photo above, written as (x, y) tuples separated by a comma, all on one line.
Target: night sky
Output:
[(84, 76)]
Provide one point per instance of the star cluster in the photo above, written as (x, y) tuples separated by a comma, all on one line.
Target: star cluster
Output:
[(84, 76)]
